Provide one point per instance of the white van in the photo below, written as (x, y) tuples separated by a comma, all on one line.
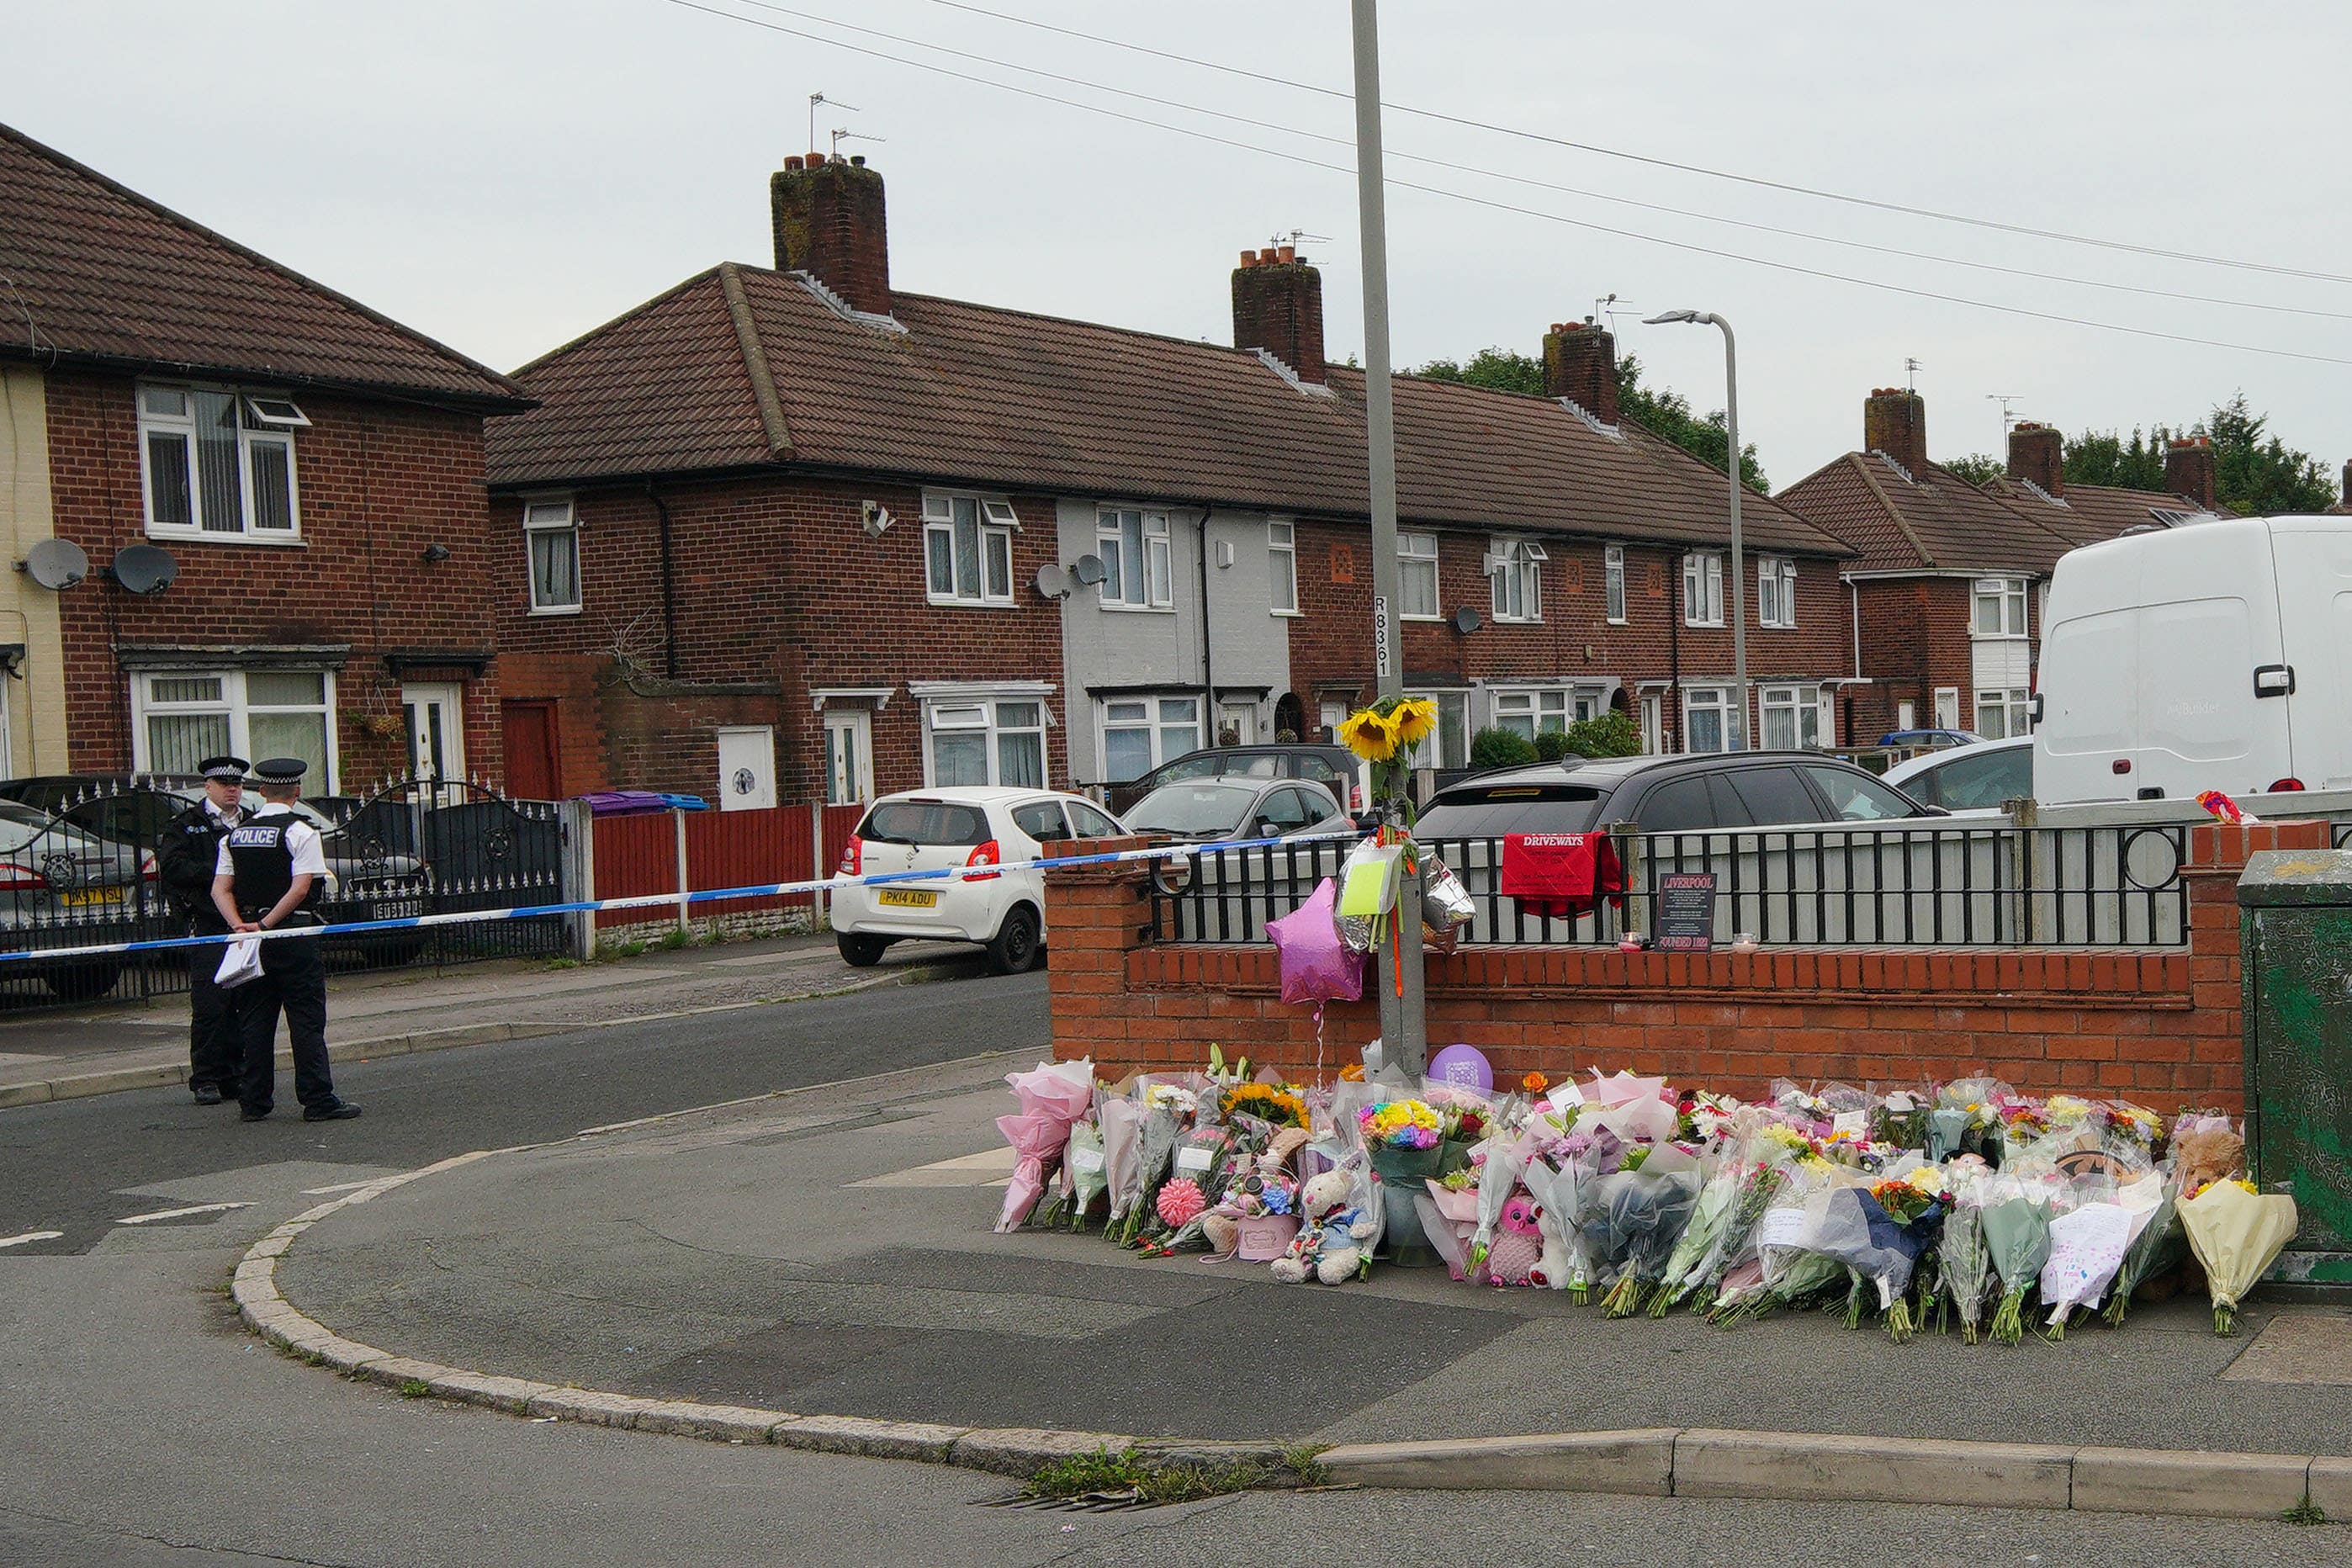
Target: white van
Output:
[(2211, 656)]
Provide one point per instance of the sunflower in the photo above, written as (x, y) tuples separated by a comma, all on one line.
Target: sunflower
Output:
[(1414, 719), (1371, 734)]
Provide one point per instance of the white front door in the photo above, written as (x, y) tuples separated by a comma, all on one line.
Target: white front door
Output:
[(1334, 714), (1906, 716), (747, 768), (1241, 718), (435, 712), (1948, 707), (848, 756), (1653, 734)]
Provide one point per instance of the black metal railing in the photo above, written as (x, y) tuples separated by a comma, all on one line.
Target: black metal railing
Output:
[(80, 871), (1863, 886)]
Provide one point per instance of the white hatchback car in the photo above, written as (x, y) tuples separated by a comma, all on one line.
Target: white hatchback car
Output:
[(943, 829)]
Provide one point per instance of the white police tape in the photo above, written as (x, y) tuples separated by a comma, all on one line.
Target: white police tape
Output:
[(672, 900)]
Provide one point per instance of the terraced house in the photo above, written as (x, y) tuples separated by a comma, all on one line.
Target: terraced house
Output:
[(794, 531), (275, 534)]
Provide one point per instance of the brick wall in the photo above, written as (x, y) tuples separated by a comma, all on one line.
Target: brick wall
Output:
[(1332, 645), (378, 482), (777, 588), (2161, 1026)]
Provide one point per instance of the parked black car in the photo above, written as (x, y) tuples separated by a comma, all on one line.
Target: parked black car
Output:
[(1689, 794), (1334, 767), (363, 883)]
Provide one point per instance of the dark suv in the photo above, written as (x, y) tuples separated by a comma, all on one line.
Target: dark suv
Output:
[(1333, 767), (1666, 795)]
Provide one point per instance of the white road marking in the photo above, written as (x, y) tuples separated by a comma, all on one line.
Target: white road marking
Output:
[(30, 1236), (985, 1169), (181, 1213), (338, 1188)]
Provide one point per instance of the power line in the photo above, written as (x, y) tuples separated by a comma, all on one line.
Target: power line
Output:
[(1533, 183), (1879, 203), (1496, 205)]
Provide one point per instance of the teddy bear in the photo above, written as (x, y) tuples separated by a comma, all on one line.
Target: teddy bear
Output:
[(1334, 1240), (1517, 1248), (1550, 1270)]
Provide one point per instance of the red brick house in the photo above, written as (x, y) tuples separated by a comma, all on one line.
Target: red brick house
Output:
[(794, 533), (279, 493), (2090, 514)]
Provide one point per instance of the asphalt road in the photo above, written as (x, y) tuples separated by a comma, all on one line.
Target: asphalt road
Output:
[(79, 1167)]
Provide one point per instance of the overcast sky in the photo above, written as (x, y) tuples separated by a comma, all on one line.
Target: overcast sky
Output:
[(504, 175)]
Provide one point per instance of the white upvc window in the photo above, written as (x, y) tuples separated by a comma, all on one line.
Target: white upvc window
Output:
[(1141, 732), (1703, 590), (1794, 718), (180, 717), (2004, 715), (1707, 719), (1138, 572), (1417, 577), (1282, 564), (1613, 575), (1515, 573), (1776, 592), (1453, 738), (1999, 607), (218, 463), (551, 533), (1528, 713), (968, 549), (985, 742)]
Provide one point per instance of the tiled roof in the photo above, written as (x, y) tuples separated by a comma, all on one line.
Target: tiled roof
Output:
[(1932, 520), (2094, 513), (95, 273), (979, 394)]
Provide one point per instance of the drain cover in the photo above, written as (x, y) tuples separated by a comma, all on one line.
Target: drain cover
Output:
[(1084, 1502)]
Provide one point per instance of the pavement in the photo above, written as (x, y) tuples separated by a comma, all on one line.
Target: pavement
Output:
[(63, 1053), (828, 1253)]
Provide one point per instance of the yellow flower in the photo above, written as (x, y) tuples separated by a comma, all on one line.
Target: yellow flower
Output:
[(1370, 735), (1414, 719)]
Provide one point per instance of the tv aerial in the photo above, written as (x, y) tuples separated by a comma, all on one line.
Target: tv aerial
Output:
[(143, 569), (55, 564)]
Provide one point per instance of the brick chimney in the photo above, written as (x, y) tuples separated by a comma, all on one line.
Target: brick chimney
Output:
[(1580, 365), (1279, 307), (2037, 454), (1894, 421), (2188, 471), (830, 224)]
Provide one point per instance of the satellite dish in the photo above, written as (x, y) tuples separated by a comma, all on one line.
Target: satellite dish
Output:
[(56, 564), (1468, 620), (1052, 580), (1089, 570), (143, 568)]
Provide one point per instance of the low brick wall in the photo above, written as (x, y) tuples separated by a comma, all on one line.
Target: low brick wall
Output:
[(2161, 1026)]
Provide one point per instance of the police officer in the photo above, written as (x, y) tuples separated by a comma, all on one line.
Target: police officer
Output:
[(186, 854), (269, 873)]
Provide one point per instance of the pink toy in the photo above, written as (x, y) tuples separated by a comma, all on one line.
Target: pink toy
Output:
[(1518, 1246)]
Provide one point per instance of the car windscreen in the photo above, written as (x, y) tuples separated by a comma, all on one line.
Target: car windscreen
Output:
[(1191, 808), (1488, 811), (925, 822)]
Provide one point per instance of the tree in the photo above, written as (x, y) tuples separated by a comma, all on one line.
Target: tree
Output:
[(1977, 466), (1662, 413), (2253, 475)]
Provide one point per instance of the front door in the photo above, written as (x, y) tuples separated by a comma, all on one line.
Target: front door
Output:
[(747, 768), (848, 756), (1241, 719), (435, 712), (532, 768)]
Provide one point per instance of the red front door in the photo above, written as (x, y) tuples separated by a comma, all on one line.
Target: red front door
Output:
[(532, 769)]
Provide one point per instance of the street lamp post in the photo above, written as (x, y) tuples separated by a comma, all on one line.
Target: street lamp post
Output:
[(1738, 558), (1404, 1022)]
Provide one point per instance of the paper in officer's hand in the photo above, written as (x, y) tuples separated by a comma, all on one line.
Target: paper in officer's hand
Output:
[(239, 964)]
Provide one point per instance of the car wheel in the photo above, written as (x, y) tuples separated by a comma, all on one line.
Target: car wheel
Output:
[(861, 951), (84, 982), (1015, 949)]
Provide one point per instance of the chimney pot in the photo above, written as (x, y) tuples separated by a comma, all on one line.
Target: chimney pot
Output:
[(857, 160), (1280, 310), (830, 221), (1580, 365), (2038, 454), (1894, 421)]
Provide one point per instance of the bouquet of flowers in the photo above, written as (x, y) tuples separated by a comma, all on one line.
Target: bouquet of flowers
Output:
[(1155, 1152), (2087, 1247), (1878, 1232), (1084, 1176), (1278, 1105), (1405, 1139), (1964, 1258), (1764, 1171), (2017, 1234), (1053, 1095), (1901, 1117), (2160, 1245), (2236, 1233), (1700, 1238), (1121, 1121), (1645, 1205)]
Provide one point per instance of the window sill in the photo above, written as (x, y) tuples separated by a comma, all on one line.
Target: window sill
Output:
[(555, 609), (1287, 614), (1615, 621), (1702, 625), (1518, 620), (1137, 609), (200, 536), (1436, 620), (937, 603)]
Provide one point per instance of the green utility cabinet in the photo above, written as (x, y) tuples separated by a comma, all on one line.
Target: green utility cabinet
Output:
[(2295, 922)]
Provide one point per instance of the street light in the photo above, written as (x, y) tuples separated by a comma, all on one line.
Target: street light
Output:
[(1739, 558)]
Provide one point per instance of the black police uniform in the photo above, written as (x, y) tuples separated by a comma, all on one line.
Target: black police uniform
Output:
[(293, 971), (186, 854)]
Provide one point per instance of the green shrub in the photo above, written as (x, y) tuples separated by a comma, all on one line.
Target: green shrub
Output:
[(1613, 734), (1497, 748), (1553, 745)]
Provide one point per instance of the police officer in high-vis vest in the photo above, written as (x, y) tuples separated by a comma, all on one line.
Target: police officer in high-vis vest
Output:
[(186, 854), (269, 875)]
